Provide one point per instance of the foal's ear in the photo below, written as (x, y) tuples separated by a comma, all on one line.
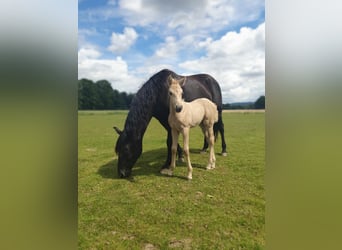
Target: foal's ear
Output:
[(182, 81), (117, 130), (169, 80)]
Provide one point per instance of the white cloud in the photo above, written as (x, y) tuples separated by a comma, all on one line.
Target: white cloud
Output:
[(237, 61), (167, 54), (85, 53), (168, 50), (186, 28), (147, 12), (181, 17), (122, 42), (91, 66)]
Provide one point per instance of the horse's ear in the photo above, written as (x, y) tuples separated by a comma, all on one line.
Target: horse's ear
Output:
[(117, 130), (182, 81)]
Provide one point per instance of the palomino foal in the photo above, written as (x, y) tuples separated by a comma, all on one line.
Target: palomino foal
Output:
[(185, 115)]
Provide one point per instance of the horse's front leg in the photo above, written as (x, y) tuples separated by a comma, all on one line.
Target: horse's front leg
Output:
[(169, 145), (185, 133), (169, 171)]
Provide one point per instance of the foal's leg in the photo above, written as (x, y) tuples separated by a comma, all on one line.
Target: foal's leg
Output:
[(175, 135), (186, 151), (206, 143), (211, 140)]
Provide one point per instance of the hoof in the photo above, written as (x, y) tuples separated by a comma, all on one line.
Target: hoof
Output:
[(203, 152), (166, 171), (181, 159), (224, 153), (210, 166), (189, 178)]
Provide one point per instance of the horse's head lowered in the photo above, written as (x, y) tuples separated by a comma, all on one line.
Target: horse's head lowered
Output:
[(128, 148), (176, 93)]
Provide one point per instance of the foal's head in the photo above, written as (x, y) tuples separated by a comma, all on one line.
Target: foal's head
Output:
[(176, 93)]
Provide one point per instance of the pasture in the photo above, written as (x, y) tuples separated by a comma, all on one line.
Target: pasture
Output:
[(223, 208)]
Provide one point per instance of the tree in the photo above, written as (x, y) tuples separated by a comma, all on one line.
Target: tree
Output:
[(260, 103), (87, 94), (105, 93), (101, 96), (226, 106)]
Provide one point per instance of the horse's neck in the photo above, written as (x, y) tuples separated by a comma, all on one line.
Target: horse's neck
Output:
[(137, 122), (139, 116)]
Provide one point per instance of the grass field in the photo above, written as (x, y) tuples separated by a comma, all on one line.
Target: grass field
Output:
[(222, 208)]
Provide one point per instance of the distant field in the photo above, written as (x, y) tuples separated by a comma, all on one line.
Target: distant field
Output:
[(243, 111), (222, 208)]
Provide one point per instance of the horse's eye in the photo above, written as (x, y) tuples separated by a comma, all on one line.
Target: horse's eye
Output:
[(170, 93)]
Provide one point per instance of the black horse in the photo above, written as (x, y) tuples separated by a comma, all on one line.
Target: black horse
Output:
[(152, 101)]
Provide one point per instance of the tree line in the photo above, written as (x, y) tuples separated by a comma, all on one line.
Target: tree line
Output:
[(258, 104), (101, 96)]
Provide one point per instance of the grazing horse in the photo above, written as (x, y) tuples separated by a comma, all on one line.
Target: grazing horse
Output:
[(152, 101), (185, 115)]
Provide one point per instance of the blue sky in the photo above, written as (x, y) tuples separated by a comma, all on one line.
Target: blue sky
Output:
[(126, 42)]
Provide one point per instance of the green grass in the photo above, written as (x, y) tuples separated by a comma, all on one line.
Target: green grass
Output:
[(222, 208)]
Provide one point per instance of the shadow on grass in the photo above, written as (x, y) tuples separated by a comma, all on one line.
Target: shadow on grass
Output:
[(109, 170), (149, 163)]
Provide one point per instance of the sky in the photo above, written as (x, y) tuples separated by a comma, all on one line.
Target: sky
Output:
[(127, 41)]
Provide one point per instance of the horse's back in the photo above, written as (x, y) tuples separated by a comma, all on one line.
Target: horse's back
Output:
[(202, 85)]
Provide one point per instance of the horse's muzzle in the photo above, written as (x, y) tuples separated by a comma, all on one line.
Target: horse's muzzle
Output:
[(179, 108)]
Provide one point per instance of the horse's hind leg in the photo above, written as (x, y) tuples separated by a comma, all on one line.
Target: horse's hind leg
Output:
[(180, 153), (220, 128), (205, 146), (205, 143)]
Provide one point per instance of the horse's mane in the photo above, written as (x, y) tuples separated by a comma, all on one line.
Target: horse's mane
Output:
[(142, 105)]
